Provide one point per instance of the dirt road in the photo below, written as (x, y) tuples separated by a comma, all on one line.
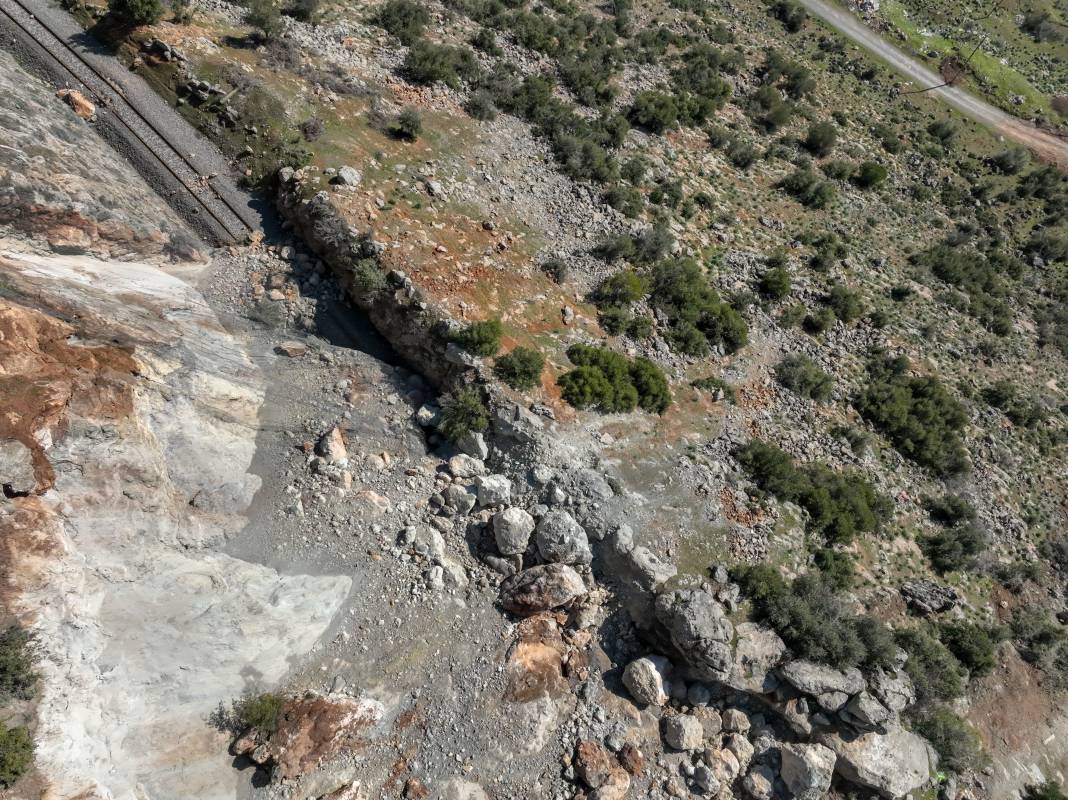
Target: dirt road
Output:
[(1048, 147)]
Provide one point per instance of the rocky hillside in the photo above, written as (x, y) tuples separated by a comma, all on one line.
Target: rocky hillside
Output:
[(715, 446)]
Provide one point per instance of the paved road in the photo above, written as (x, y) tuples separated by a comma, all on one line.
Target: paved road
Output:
[(1047, 146)]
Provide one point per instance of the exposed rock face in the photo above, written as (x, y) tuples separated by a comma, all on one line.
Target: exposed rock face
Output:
[(645, 678), (892, 764), (541, 588), (820, 679), (698, 627), (133, 612), (511, 530), (807, 769), (928, 597), (757, 651)]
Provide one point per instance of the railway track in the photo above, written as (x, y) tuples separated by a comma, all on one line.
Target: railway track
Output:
[(203, 196)]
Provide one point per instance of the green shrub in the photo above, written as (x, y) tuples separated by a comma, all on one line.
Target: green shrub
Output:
[(954, 549), (741, 154), (17, 675), (265, 17), (812, 621), (486, 41), (16, 754), (650, 246), (818, 322), (304, 10), (480, 106), (790, 14), (984, 276), (805, 186), (711, 384), (625, 199), (654, 111), (793, 77), (800, 375), (681, 291), (481, 338), (837, 568), (971, 644), (917, 414), (614, 319), (869, 175), (610, 382), (259, 712), (829, 250), (845, 303), (405, 19), (368, 279), (838, 169), (641, 327), (768, 109), (775, 283), (521, 368), (821, 138), (1003, 396), (407, 125), (463, 412), (1037, 634), (839, 504), (622, 288), (955, 741), (137, 12), (944, 131), (935, 673), (428, 63), (556, 269)]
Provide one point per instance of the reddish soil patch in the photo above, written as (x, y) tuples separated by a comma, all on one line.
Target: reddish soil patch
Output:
[(318, 728)]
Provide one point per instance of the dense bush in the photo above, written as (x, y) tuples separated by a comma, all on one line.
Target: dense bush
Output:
[(622, 288), (407, 125), (836, 567), (955, 741), (16, 754), (650, 246), (981, 274), (934, 671), (917, 414), (971, 644), (791, 76), (260, 712), (463, 412), (1004, 396), (654, 111), (480, 106), (698, 317), (611, 382), (769, 110), (944, 132), (805, 186), (869, 175), (480, 338), (17, 675), (839, 504), (137, 12), (813, 622), (405, 19), (775, 283), (821, 138), (1044, 791), (521, 368), (1011, 161), (265, 17), (1038, 635), (428, 63), (790, 14), (800, 375), (556, 269), (845, 303)]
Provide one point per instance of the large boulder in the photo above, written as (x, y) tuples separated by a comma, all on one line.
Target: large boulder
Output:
[(893, 764), (697, 626), (893, 689), (865, 711), (927, 597), (645, 679), (541, 588), (757, 651), (820, 679), (511, 530), (493, 490), (561, 539), (807, 769)]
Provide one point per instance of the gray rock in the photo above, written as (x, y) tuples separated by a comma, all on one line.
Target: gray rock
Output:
[(684, 732), (465, 466), (698, 627), (706, 780), (424, 540), (724, 765), (759, 784), (652, 571), (893, 764), (561, 539), (459, 498), (757, 651), (428, 415), (540, 589), (740, 746), (511, 530), (735, 721), (818, 679), (832, 701), (868, 712), (698, 695), (807, 769), (474, 444), (645, 679), (16, 467), (796, 713), (893, 689), (928, 597), (347, 176), (493, 490)]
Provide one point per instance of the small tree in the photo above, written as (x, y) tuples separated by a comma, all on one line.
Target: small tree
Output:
[(407, 125), (405, 19), (481, 338), (17, 676), (775, 283), (137, 12), (800, 375), (463, 412), (870, 175), (521, 368), (265, 17), (259, 712), (822, 137), (16, 754)]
